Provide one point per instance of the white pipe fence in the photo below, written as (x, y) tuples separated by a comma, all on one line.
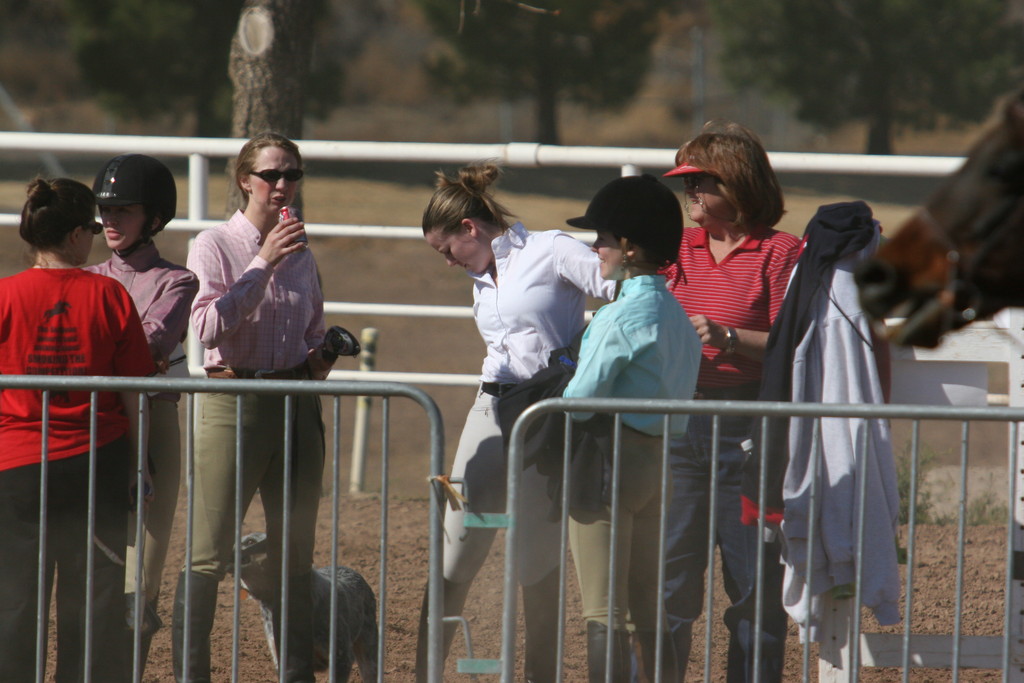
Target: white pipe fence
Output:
[(628, 160)]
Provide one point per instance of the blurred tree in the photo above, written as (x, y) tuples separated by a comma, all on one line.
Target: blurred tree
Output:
[(147, 59), (890, 63), (270, 58), (33, 41), (271, 54), (591, 51)]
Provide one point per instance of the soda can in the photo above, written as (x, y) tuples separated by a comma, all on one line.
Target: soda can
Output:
[(292, 212)]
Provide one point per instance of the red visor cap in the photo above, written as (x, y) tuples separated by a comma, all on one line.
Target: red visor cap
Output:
[(684, 169)]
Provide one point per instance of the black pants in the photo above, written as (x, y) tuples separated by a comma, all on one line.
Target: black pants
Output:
[(66, 546)]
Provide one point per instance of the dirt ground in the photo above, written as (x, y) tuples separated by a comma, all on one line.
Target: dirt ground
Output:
[(408, 272), (360, 516)]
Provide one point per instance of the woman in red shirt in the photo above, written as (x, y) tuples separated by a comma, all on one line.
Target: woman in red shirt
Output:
[(56, 319), (730, 277)]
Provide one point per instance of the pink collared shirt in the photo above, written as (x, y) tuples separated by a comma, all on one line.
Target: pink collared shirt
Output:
[(162, 293), (249, 314)]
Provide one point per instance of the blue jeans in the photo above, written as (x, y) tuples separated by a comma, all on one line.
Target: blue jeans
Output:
[(687, 554)]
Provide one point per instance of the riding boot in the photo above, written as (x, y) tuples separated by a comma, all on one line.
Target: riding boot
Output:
[(299, 667), (151, 623), (540, 614), (454, 598), (203, 602), (597, 647), (648, 648)]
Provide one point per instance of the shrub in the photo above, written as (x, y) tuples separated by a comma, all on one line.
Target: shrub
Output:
[(905, 470)]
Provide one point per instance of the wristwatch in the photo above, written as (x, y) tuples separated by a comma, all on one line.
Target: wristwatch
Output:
[(730, 340)]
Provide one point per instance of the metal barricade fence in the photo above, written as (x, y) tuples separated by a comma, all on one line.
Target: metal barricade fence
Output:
[(189, 388), (837, 660), (960, 651)]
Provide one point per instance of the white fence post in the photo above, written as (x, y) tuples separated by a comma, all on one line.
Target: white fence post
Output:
[(1015, 598), (834, 650), (198, 186), (367, 362)]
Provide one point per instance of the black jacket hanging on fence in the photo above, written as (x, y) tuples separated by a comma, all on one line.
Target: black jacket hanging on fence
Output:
[(835, 231)]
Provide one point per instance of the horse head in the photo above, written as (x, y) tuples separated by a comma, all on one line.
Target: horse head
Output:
[(961, 256)]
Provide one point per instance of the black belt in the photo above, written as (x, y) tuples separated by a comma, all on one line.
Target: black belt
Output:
[(495, 388), (739, 392), (243, 373)]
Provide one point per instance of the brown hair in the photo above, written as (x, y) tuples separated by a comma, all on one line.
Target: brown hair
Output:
[(733, 154), (465, 196), (245, 163), (54, 208)]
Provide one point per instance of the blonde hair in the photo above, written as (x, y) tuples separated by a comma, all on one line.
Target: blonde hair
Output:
[(465, 195), (245, 163), (733, 154)]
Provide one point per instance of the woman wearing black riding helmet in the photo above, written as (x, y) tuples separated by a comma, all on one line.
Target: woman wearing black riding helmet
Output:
[(136, 196)]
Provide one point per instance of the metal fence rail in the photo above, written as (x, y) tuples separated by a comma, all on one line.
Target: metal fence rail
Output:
[(189, 388), (955, 651)]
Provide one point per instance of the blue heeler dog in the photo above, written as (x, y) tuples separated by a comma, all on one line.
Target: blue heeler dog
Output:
[(356, 623)]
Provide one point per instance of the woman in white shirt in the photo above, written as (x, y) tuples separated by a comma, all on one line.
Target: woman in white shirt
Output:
[(529, 296)]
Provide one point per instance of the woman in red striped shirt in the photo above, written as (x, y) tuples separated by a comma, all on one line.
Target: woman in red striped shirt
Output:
[(731, 277)]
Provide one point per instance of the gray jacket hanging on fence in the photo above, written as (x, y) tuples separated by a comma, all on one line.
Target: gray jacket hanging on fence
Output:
[(834, 363)]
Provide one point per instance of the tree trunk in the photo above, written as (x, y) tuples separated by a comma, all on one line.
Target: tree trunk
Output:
[(547, 118), (545, 66), (880, 133), (208, 125), (269, 66), (880, 100)]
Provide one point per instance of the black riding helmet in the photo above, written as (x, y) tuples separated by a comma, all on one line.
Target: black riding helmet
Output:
[(138, 179), (641, 209)]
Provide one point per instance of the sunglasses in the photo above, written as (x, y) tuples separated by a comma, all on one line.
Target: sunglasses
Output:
[(693, 180), (273, 175), (94, 226)]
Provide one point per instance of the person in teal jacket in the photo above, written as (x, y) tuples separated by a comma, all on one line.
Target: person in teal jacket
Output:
[(642, 345)]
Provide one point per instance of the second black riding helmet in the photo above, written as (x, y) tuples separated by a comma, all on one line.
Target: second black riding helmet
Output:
[(138, 179)]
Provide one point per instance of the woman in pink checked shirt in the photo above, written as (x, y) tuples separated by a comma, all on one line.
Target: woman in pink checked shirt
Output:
[(259, 315)]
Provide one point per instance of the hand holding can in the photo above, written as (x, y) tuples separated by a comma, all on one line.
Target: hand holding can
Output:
[(293, 212)]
